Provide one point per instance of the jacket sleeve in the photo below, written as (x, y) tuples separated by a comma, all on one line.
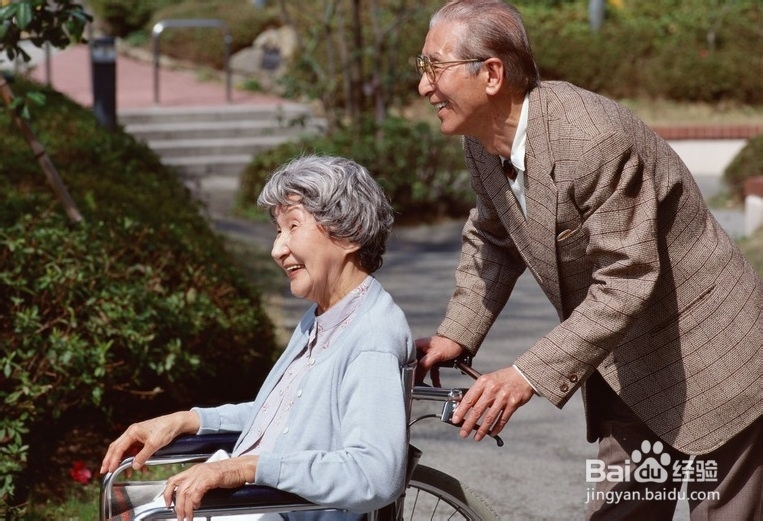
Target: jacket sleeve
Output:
[(225, 418), (488, 268)]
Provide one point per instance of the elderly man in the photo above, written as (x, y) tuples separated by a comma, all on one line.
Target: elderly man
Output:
[(660, 313)]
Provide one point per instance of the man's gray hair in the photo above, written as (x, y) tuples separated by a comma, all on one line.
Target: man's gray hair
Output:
[(343, 198), (492, 28)]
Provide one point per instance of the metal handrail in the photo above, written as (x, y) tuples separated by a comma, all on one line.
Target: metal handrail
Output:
[(161, 25)]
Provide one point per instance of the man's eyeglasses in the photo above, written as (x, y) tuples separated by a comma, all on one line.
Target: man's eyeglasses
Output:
[(425, 65)]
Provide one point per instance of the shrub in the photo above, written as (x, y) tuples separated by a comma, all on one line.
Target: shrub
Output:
[(123, 17), (205, 46), (748, 163), (138, 311), (687, 50), (420, 169)]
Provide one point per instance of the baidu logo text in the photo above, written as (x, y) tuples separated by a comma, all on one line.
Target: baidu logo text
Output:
[(649, 464)]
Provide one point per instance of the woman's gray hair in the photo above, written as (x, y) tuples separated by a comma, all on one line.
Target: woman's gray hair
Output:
[(343, 198), (492, 28)]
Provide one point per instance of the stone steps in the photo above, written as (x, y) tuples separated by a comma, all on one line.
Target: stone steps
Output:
[(181, 148), (201, 129), (211, 146), (283, 112)]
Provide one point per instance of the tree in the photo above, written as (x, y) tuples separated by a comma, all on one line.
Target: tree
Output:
[(353, 57), (41, 22)]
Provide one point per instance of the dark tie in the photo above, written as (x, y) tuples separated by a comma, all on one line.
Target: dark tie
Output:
[(508, 169)]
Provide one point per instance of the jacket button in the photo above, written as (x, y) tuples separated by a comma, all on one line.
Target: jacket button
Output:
[(564, 388), (573, 378)]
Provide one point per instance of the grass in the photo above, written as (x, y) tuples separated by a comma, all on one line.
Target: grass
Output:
[(664, 112), (82, 502), (653, 112)]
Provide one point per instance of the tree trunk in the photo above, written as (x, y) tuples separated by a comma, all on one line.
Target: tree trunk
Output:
[(357, 103), (59, 189)]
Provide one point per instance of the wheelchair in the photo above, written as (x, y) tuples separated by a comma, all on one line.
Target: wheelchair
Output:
[(429, 494)]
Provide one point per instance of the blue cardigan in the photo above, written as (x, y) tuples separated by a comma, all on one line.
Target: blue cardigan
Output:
[(346, 443)]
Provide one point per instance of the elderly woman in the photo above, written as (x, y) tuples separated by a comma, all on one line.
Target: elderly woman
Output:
[(329, 422)]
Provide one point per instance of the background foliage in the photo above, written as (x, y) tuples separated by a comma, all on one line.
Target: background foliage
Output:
[(420, 169), (123, 17), (687, 50), (139, 311), (748, 163), (357, 64)]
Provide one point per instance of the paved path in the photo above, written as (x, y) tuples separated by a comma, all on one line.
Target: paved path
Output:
[(540, 472), (70, 72)]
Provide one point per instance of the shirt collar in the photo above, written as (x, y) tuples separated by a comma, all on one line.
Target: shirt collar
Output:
[(520, 137), (337, 313)]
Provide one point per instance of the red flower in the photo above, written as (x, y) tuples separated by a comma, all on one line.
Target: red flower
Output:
[(80, 473)]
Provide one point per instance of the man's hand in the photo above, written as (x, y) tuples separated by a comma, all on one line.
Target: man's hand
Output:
[(495, 396), (188, 488), (150, 436), (434, 350)]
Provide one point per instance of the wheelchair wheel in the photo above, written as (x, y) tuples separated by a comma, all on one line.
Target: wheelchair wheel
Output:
[(433, 495)]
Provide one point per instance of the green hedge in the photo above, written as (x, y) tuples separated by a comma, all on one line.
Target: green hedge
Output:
[(138, 311), (748, 163), (687, 50), (205, 46), (122, 17), (421, 170)]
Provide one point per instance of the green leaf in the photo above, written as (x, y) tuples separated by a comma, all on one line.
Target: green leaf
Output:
[(23, 15), (8, 12), (38, 98)]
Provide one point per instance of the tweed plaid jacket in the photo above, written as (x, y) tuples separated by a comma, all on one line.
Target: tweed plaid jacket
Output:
[(649, 289)]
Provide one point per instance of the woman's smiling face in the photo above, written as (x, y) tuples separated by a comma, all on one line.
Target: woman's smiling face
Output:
[(315, 264)]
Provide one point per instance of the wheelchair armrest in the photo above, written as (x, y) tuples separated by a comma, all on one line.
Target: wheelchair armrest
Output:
[(242, 497), (186, 448), (250, 496), (199, 444), (248, 499)]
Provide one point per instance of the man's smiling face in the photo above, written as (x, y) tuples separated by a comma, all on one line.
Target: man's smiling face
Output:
[(457, 94)]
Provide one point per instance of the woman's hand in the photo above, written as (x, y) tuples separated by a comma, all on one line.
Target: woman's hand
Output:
[(189, 487), (150, 436)]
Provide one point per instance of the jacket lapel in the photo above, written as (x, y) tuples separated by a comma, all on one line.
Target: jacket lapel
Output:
[(541, 194)]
